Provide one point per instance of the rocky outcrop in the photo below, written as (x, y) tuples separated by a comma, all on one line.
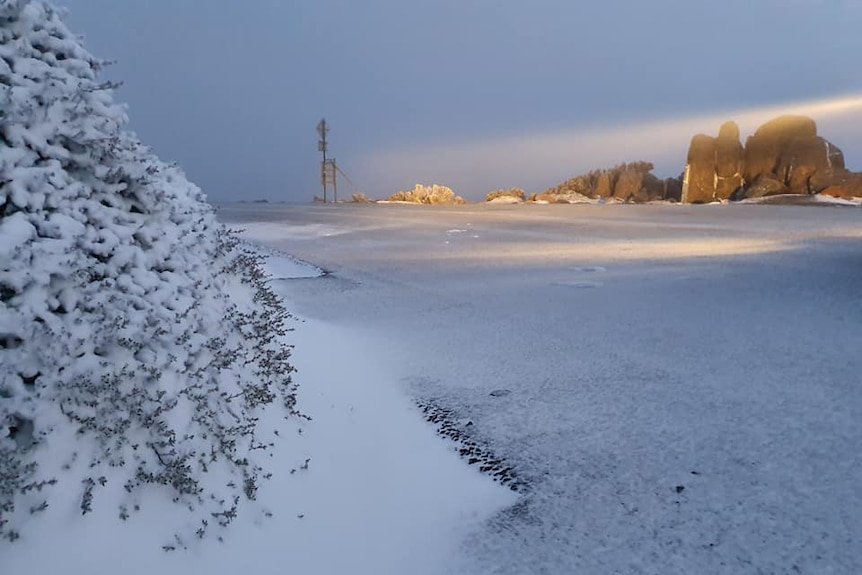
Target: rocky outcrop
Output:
[(784, 156), (839, 184), (764, 150), (699, 184), (729, 161), (631, 182), (765, 185), (802, 158), (715, 166)]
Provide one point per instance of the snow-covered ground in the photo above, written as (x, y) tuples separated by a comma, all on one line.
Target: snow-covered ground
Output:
[(683, 381), (364, 487)]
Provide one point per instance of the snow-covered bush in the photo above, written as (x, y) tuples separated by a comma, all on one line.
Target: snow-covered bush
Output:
[(137, 341), (422, 194)]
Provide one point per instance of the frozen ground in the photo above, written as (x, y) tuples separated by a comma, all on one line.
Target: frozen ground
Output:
[(684, 381)]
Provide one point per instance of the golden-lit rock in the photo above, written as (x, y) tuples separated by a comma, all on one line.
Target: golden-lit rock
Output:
[(699, 186)]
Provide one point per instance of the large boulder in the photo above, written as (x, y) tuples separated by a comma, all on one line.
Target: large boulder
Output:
[(765, 185), (764, 149), (803, 157), (837, 183), (699, 186), (729, 161)]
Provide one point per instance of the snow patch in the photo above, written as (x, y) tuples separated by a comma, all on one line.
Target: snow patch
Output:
[(364, 487), (506, 200), (285, 267)]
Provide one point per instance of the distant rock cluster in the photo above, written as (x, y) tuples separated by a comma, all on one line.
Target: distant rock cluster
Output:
[(784, 156), (631, 182)]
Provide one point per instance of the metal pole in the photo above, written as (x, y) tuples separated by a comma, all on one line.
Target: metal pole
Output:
[(334, 182), (323, 169), (322, 130)]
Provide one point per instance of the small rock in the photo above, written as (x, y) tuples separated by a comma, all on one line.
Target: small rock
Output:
[(500, 392)]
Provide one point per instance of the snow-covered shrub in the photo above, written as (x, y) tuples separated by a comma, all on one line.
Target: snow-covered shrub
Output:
[(137, 341), (422, 194)]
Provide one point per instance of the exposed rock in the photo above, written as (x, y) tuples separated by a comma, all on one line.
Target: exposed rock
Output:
[(699, 184), (729, 131), (826, 178), (764, 150), (786, 128), (845, 191), (803, 157), (798, 179), (838, 183), (784, 156), (729, 161), (815, 152), (764, 185), (624, 182)]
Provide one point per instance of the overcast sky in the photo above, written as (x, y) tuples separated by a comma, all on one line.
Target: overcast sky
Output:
[(474, 94)]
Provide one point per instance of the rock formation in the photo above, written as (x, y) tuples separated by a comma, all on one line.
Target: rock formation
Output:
[(765, 150), (729, 161), (631, 182), (699, 184), (784, 156)]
